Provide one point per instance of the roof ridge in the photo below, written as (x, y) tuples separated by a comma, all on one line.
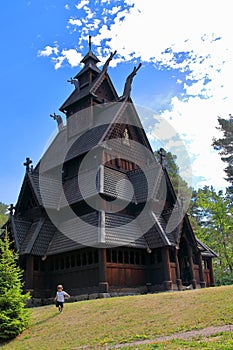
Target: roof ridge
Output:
[(33, 237), (160, 229)]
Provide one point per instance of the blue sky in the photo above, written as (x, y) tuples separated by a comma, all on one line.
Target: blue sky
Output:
[(184, 80)]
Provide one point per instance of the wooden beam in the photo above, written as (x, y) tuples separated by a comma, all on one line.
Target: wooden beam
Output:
[(103, 284)]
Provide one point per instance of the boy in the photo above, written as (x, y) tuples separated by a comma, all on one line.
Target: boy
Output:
[(60, 297)]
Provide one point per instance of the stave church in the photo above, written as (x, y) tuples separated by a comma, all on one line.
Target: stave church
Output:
[(99, 213)]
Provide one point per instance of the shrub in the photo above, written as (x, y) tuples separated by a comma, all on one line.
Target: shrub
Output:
[(14, 317)]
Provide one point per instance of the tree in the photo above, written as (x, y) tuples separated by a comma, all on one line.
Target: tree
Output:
[(3, 216), (214, 215), (180, 185), (225, 145), (14, 317)]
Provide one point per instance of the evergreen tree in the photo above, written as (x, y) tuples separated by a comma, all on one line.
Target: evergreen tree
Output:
[(225, 145), (3, 215), (179, 184), (14, 317)]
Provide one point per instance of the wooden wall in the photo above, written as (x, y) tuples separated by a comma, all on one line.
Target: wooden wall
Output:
[(126, 276)]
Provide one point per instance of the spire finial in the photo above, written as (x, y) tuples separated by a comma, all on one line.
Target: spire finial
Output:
[(89, 42)]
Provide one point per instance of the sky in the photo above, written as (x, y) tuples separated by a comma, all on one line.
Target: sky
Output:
[(186, 51)]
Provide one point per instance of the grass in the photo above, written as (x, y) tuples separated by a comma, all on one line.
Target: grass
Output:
[(215, 342), (94, 324)]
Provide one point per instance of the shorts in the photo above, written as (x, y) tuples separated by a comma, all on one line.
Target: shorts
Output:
[(59, 303)]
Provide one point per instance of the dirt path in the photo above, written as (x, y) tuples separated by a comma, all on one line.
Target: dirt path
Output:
[(205, 332)]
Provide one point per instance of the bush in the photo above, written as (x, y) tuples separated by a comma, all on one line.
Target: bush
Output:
[(14, 317)]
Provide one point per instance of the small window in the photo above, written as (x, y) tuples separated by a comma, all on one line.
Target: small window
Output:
[(108, 255), (126, 257), (96, 257), (67, 262), (62, 263), (72, 261), (137, 258), (84, 258), (114, 256), (56, 263), (131, 257), (78, 260), (36, 264), (120, 256), (143, 260), (90, 258)]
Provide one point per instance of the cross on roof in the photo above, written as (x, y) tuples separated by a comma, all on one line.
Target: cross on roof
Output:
[(27, 164), (11, 209)]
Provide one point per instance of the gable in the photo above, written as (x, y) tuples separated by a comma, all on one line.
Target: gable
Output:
[(126, 121), (101, 90), (104, 89), (28, 196)]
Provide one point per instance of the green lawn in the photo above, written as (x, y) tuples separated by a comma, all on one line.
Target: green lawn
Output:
[(96, 324)]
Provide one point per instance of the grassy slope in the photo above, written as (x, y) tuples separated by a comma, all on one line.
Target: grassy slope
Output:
[(124, 319)]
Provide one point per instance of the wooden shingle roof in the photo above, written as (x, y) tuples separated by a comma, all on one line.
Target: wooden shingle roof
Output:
[(205, 250)]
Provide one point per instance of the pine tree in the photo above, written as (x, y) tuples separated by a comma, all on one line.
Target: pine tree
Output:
[(181, 187), (225, 145), (14, 317), (3, 215)]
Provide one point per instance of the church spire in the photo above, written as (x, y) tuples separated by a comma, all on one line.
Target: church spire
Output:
[(90, 69), (89, 43)]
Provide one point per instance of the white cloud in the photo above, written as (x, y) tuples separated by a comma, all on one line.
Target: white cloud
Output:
[(72, 56), (194, 38), (201, 30), (48, 51), (75, 22), (195, 122), (81, 4), (112, 11), (58, 61)]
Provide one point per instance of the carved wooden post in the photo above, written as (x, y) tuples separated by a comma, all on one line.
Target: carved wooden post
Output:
[(178, 279), (211, 272), (148, 270), (201, 272), (29, 273), (166, 269), (103, 284), (191, 267)]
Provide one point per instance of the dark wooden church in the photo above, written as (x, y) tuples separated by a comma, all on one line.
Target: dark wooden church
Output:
[(98, 213)]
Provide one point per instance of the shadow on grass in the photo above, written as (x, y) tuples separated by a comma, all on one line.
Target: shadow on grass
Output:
[(45, 320), (6, 342)]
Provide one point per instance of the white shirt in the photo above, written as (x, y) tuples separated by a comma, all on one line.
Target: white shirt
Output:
[(61, 296)]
